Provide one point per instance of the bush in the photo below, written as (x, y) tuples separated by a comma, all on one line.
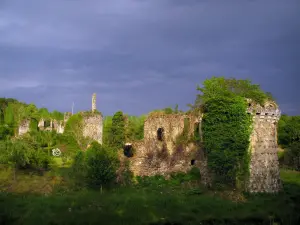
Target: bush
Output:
[(79, 166), (292, 156), (102, 164)]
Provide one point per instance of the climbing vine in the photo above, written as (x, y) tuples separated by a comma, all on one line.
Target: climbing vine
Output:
[(226, 132)]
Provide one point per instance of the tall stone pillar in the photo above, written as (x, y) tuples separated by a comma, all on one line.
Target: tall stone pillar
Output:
[(94, 103)]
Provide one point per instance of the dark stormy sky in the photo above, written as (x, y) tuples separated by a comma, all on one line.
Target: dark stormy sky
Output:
[(140, 55)]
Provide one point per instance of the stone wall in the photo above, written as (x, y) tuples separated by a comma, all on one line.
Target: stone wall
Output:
[(93, 127), (264, 165), (153, 156), (24, 127), (172, 126)]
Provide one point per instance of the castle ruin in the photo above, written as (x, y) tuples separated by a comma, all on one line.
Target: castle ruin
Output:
[(92, 124), (158, 154)]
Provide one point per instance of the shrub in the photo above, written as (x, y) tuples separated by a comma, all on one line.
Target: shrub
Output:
[(79, 166), (102, 163), (292, 156)]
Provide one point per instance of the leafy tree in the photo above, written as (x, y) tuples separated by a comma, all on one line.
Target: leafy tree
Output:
[(9, 115), (135, 128), (117, 134), (107, 123), (102, 163), (79, 167), (57, 115), (44, 113), (289, 138), (220, 86), (5, 132), (74, 127)]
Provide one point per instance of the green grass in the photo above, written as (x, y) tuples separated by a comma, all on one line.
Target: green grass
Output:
[(181, 200)]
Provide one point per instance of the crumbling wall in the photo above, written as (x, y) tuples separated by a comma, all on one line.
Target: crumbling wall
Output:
[(264, 165), (172, 125), (24, 127), (153, 156), (93, 127)]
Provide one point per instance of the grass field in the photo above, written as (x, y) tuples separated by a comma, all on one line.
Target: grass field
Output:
[(53, 199)]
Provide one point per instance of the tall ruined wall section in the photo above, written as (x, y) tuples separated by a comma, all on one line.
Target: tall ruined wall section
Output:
[(93, 127), (264, 165)]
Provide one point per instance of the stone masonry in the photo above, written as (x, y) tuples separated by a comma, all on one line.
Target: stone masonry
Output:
[(24, 127), (264, 165), (158, 154), (94, 103), (93, 127)]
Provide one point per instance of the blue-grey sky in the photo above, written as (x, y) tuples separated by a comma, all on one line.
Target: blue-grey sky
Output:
[(140, 55)]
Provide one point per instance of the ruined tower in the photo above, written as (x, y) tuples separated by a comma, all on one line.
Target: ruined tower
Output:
[(264, 165), (94, 103)]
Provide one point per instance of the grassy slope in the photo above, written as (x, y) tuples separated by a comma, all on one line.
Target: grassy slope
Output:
[(154, 203)]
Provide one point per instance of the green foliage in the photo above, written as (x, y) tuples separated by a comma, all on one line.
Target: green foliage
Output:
[(33, 126), (9, 115), (5, 132), (79, 167), (135, 128), (227, 126), (292, 156), (220, 86), (74, 128), (288, 130), (289, 138), (107, 123), (226, 132), (57, 115), (117, 133), (102, 163), (44, 113), (181, 203), (23, 154)]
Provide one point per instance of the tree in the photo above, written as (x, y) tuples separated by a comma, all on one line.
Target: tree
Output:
[(117, 134), (44, 113), (219, 86), (74, 127), (107, 123), (102, 163)]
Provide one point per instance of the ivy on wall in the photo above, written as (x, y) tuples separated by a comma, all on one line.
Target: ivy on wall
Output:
[(226, 133)]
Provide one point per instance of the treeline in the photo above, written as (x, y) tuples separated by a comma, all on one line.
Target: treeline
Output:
[(289, 140)]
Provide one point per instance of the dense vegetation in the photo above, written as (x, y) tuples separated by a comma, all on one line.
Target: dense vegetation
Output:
[(289, 139), (226, 126), (86, 186)]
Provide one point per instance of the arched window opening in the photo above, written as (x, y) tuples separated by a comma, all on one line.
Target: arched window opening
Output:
[(193, 162), (128, 150), (160, 134)]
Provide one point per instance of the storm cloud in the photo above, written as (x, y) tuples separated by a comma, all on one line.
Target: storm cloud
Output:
[(140, 55)]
